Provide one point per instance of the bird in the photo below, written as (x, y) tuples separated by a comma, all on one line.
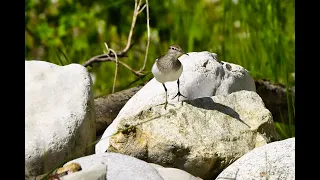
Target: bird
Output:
[(168, 68)]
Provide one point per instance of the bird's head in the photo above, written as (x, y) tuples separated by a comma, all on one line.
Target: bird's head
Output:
[(176, 50)]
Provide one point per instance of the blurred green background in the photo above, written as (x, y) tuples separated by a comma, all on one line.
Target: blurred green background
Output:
[(256, 34)]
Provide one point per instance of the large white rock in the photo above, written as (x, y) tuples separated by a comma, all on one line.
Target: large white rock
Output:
[(272, 161), (59, 115), (118, 167), (201, 137), (202, 76)]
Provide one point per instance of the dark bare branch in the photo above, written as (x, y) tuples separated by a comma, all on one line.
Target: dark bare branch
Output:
[(98, 58), (107, 57)]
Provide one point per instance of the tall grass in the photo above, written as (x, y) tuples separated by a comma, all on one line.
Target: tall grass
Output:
[(287, 130)]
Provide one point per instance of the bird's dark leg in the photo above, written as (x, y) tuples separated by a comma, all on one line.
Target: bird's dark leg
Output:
[(178, 94), (165, 104)]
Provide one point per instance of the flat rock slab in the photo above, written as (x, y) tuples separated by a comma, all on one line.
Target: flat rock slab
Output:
[(59, 115), (275, 160)]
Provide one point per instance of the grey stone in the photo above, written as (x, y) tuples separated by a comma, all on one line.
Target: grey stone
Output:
[(59, 115), (95, 172), (275, 160), (118, 167)]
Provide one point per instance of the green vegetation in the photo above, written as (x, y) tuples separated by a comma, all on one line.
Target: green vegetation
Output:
[(287, 130), (256, 34)]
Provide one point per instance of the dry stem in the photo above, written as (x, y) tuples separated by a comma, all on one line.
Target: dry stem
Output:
[(111, 55), (148, 43)]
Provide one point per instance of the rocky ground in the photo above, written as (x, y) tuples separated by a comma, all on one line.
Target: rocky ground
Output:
[(222, 130)]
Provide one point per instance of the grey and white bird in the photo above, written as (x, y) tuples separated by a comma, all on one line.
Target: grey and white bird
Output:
[(168, 68)]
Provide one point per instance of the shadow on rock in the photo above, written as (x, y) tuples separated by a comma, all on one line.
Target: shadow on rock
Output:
[(209, 104)]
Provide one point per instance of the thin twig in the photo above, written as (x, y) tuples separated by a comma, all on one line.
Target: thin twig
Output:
[(136, 12), (122, 53), (116, 71), (98, 58), (148, 43), (128, 67), (111, 55), (142, 8), (106, 57), (140, 1)]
